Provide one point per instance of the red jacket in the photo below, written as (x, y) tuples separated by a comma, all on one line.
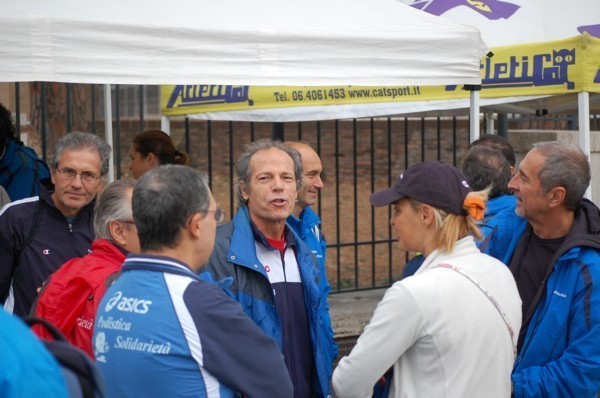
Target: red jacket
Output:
[(70, 297)]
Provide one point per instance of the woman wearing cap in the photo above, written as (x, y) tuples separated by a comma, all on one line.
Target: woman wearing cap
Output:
[(450, 330), (153, 148)]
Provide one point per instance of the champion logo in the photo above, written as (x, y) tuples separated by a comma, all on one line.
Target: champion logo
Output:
[(267, 268), (46, 251)]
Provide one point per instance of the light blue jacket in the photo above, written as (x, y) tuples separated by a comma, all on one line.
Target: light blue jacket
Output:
[(27, 369)]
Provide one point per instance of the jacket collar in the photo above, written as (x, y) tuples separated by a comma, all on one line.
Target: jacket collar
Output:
[(245, 234), (308, 219), (462, 247)]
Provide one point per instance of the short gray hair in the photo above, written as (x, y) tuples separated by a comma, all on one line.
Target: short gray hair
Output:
[(164, 200), (78, 141), (242, 165), (113, 205), (565, 165)]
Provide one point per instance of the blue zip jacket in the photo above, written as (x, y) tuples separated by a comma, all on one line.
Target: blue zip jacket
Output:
[(234, 257), (502, 228), (307, 227), (560, 356), (21, 171), (160, 331)]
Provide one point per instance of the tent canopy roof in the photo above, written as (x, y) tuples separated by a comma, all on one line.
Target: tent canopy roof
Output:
[(263, 42)]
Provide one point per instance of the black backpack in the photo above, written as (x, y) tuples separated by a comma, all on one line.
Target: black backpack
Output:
[(82, 376)]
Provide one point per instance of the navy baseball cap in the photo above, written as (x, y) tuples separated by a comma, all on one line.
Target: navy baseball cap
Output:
[(434, 183)]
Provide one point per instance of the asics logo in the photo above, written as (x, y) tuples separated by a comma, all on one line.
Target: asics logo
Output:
[(127, 304)]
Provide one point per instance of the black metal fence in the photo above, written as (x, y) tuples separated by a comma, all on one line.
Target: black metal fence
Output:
[(359, 156)]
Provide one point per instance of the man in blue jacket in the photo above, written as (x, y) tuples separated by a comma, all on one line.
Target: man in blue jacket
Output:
[(303, 220), (556, 264), (276, 278), (160, 331)]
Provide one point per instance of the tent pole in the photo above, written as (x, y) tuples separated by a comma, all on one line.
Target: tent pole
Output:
[(474, 115), (165, 124), (583, 102), (108, 131), (489, 122)]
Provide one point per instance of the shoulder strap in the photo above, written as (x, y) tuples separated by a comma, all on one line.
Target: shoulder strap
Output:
[(36, 177), (489, 296), (34, 227), (53, 330)]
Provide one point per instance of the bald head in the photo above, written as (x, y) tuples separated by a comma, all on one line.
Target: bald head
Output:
[(311, 178)]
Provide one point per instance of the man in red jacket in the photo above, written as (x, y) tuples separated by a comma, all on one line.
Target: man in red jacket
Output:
[(70, 297)]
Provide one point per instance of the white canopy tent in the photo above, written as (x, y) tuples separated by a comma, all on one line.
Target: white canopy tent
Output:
[(262, 42)]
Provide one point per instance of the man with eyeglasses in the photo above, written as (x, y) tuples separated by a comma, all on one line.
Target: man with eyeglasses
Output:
[(276, 278), (41, 233)]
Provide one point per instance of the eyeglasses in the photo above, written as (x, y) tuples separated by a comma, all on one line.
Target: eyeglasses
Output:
[(219, 214), (70, 174)]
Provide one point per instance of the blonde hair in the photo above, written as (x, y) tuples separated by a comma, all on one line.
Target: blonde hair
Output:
[(453, 227)]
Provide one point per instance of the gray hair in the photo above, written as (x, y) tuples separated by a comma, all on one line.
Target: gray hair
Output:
[(78, 141), (164, 200), (565, 165), (242, 165), (113, 205), (486, 168)]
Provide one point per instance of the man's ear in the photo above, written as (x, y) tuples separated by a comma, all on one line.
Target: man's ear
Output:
[(244, 189), (194, 227), (557, 196), (115, 229)]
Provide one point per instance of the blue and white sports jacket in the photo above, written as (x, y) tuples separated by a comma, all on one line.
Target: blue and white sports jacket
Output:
[(160, 331)]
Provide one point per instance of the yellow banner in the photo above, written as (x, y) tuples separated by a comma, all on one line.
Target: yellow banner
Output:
[(189, 99), (565, 66), (558, 67)]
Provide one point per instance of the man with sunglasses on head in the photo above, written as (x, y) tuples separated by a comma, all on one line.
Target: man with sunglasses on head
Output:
[(39, 234)]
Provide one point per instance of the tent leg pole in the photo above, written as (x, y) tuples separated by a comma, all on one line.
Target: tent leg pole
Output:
[(165, 124), (108, 131), (585, 144), (474, 116), (489, 123)]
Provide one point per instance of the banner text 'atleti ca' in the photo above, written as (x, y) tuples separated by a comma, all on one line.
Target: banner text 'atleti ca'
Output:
[(571, 65)]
